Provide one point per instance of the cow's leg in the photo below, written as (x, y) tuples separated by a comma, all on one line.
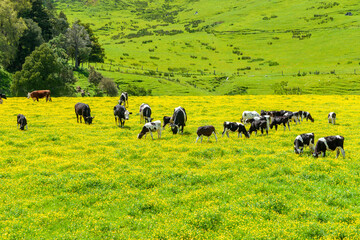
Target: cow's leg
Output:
[(197, 138), (239, 134), (227, 134), (151, 135), (337, 152), (159, 132), (215, 135), (201, 138), (288, 125), (37, 99), (284, 126), (342, 152), (223, 132), (275, 127), (208, 138), (182, 129), (267, 132), (262, 131), (122, 123), (255, 132), (334, 121), (324, 153), (77, 118)]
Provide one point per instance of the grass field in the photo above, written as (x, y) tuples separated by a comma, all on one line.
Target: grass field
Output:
[(201, 47), (65, 180)]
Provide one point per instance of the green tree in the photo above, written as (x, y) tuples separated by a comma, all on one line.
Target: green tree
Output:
[(43, 70), (108, 86), (97, 53), (78, 43), (94, 77)]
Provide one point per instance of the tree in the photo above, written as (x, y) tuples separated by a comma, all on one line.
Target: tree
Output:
[(94, 77), (78, 40), (43, 70), (97, 53), (107, 85), (11, 29), (59, 25)]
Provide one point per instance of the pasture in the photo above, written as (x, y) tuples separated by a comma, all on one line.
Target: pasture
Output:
[(64, 180)]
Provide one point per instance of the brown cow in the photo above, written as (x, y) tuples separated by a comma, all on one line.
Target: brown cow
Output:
[(40, 94)]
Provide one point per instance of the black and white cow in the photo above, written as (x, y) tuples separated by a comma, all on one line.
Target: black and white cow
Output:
[(330, 143), (306, 115), (332, 117), (145, 113), (151, 127), (258, 125), (21, 120), (166, 120), (235, 127), (292, 116), (205, 131), (121, 114), (248, 115), (178, 120), (83, 110), (124, 99), (280, 120), (2, 96), (302, 140)]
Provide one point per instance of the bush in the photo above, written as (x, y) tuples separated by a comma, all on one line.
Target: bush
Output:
[(94, 77), (137, 91), (109, 87)]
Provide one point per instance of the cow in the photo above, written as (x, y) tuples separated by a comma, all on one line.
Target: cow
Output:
[(332, 117), (330, 143), (262, 118), (121, 114), (280, 120), (2, 96), (40, 94), (151, 127), (205, 131), (21, 120), (145, 113), (166, 120), (83, 110), (258, 125), (248, 115), (178, 120), (292, 116), (302, 140), (306, 115), (233, 127), (124, 99)]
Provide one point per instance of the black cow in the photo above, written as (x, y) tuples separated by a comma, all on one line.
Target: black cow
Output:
[(145, 113), (121, 114), (166, 121), (205, 131), (332, 117), (83, 110), (258, 125), (233, 127), (21, 120), (330, 143), (306, 139), (178, 120), (124, 99), (2, 96), (280, 120)]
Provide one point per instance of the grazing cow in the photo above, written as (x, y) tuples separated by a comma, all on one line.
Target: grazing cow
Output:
[(306, 115), (121, 114), (248, 115), (151, 127), (21, 120), (258, 125), (280, 120), (40, 94), (292, 116), (178, 120), (2, 96), (233, 127), (330, 143), (145, 113), (205, 131), (166, 121), (124, 99), (306, 139), (332, 117), (83, 110)]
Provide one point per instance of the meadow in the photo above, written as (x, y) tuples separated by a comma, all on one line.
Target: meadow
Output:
[(64, 180)]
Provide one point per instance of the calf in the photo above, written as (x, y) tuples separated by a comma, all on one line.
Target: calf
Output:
[(124, 99), (178, 120), (83, 110), (151, 127), (306, 139), (21, 120), (233, 127), (330, 143), (166, 120), (248, 115), (121, 114), (332, 117), (280, 120), (145, 113), (2, 96), (258, 125), (306, 115), (205, 131)]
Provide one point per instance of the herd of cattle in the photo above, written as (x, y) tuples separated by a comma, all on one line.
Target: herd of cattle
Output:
[(258, 122)]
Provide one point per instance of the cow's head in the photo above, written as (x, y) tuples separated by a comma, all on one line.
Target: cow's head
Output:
[(298, 150), (143, 132), (174, 128), (126, 114), (28, 96), (309, 117), (148, 119), (89, 119)]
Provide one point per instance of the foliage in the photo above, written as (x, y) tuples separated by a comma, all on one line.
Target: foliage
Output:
[(43, 70), (5, 80), (94, 76), (78, 42), (282, 89), (109, 87), (134, 90)]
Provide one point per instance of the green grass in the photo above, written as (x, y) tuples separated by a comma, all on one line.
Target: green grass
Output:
[(254, 43)]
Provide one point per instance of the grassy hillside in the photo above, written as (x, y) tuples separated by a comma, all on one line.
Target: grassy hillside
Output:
[(213, 47), (65, 180)]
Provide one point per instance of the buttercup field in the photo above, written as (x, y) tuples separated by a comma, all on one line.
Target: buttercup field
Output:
[(65, 180)]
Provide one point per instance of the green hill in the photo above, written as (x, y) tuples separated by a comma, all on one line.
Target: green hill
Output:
[(226, 47)]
